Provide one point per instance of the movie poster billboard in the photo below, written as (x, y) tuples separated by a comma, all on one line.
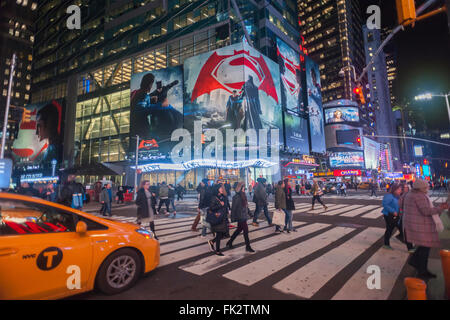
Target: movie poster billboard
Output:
[(371, 154), (316, 121), (296, 131), (156, 105), (234, 87), (341, 114), (347, 160), (41, 134), (291, 78)]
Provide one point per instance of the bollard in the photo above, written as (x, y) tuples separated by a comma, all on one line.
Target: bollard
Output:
[(445, 259), (416, 289)]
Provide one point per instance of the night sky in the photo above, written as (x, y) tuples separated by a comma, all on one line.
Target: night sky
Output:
[(423, 62)]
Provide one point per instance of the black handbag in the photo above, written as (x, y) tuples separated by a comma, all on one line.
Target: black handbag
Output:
[(214, 218)]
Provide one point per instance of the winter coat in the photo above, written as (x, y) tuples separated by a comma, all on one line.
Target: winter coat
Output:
[(419, 225), (163, 192), (260, 194), (280, 198), (217, 207), (142, 204), (289, 201), (104, 195), (171, 193), (68, 190), (390, 204), (239, 212)]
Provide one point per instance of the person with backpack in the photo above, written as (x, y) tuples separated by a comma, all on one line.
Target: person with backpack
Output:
[(239, 212), (145, 212), (106, 199), (163, 196), (344, 189), (289, 206), (72, 193), (260, 199), (218, 211)]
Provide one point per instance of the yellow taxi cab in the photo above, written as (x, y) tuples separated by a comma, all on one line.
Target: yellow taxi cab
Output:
[(364, 185), (50, 251)]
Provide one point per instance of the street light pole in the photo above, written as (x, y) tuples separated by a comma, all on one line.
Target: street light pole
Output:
[(8, 102), (136, 169)]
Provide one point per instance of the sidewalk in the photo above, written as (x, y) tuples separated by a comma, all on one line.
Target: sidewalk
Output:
[(94, 206)]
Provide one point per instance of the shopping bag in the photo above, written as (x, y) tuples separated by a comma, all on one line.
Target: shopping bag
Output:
[(279, 217)]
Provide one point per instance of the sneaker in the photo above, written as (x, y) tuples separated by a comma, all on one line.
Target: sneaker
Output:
[(255, 224), (412, 250), (219, 253), (249, 249), (387, 247), (399, 238), (288, 231), (294, 230), (326, 208), (211, 245)]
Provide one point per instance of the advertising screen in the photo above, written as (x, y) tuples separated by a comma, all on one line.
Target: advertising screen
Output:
[(341, 114), (418, 151), (296, 130), (371, 153), (316, 121), (290, 73), (156, 105), (41, 134), (234, 87), (347, 160)]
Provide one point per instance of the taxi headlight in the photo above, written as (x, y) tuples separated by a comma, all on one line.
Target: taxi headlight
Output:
[(146, 233)]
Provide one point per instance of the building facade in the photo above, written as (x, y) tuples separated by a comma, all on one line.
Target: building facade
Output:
[(91, 68)]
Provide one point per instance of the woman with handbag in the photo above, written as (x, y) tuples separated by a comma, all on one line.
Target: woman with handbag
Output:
[(289, 206), (217, 216), (422, 225), (280, 202), (145, 212), (239, 212)]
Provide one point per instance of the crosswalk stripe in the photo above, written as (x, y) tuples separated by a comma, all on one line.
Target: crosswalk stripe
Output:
[(341, 210), (374, 214), (321, 209), (262, 268), (354, 213), (175, 224), (390, 263), (170, 258), (184, 228), (306, 281), (205, 265)]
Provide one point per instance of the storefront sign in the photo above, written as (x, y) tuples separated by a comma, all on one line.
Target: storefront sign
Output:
[(323, 174), (342, 173), (306, 161), (394, 175)]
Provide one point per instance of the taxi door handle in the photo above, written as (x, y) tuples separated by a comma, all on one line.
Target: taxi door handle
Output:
[(7, 251)]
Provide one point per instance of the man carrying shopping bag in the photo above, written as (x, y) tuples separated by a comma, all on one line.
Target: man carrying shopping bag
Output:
[(279, 216)]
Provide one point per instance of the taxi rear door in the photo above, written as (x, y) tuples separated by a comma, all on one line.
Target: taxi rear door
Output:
[(46, 264)]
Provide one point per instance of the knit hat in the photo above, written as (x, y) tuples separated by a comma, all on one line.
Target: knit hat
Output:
[(420, 184)]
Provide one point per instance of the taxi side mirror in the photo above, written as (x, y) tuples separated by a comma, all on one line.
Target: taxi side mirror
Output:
[(81, 227)]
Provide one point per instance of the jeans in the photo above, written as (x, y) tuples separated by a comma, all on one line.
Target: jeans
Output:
[(258, 210), (166, 202), (391, 224), (419, 259), (318, 200), (172, 202), (288, 221), (203, 215), (106, 208), (373, 192), (242, 226)]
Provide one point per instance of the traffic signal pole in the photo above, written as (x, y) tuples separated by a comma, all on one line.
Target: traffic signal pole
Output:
[(8, 102), (400, 27)]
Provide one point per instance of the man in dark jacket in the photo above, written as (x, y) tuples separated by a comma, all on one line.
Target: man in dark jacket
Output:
[(106, 199), (26, 190), (163, 197), (70, 190), (373, 188), (260, 198), (203, 204)]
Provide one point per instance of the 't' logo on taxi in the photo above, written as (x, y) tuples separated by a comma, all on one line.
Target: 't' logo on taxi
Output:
[(49, 259)]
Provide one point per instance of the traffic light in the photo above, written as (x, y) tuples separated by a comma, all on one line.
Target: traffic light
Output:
[(406, 10), (425, 161), (359, 95), (203, 138), (26, 116), (358, 141)]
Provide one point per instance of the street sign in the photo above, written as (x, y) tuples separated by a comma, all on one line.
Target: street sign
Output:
[(5, 172)]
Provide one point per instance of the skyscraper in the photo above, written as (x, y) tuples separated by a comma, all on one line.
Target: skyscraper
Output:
[(333, 38), (16, 36)]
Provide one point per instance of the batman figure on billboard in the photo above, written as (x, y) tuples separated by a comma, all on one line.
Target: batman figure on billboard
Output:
[(252, 106)]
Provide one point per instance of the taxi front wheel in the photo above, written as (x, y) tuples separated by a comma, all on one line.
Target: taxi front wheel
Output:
[(119, 271)]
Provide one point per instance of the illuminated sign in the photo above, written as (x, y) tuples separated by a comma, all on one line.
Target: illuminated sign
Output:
[(342, 173), (347, 159), (324, 174), (5, 172), (306, 161), (259, 163), (426, 171), (148, 144)]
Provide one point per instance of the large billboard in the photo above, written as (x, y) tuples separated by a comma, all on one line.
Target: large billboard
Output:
[(41, 134), (156, 105), (341, 114), (316, 121), (347, 160), (296, 131), (234, 87), (291, 78), (371, 154)]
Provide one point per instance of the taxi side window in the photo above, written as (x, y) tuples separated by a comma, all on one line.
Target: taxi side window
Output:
[(92, 225), (19, 217)]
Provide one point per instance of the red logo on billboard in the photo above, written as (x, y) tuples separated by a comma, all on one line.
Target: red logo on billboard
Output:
[(215, 74), (342, 173), (148, 144), (289, 77)]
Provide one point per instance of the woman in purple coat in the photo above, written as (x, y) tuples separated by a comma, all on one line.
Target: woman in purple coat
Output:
[(420, 226)]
